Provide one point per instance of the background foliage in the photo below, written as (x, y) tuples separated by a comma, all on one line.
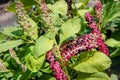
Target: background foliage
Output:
[(22, 57)]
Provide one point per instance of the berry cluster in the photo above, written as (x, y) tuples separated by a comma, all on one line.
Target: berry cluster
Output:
[(55, 66), (95, 30), (83, 43)]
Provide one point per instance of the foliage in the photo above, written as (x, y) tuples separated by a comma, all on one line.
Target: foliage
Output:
[(23, 57)]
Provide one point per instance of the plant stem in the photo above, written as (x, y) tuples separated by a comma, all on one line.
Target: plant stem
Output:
[(59, 55)]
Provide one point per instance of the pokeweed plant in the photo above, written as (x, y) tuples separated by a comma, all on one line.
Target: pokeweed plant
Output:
[(59, 40)]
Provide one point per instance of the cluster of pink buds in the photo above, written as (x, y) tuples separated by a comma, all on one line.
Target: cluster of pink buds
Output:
[(83, 43), (55, 66), (95, 30), (99, 11)]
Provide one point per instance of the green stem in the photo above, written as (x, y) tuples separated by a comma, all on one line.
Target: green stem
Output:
[(59, 55), (113, 54)]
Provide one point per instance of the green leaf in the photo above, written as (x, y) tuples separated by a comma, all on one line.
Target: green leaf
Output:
[(91, 62), (115, 53), (13, 32), (27, 5), (110, 11), (43, 44), (10, 44), (60, 7), (12, 8), (114, 77), (33, 31), (112, 42), (34, 64), (106, 1), (16, 77), (115, 35), (2, 38), (83, 11), (47, 77), (69, 29), (93, 76)]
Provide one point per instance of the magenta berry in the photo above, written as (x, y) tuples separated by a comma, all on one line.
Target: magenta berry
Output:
[(83, 43), (55, 66)]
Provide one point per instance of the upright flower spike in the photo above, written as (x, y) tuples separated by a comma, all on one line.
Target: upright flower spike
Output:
[(95, 30), (99, 11), (22, 17), (58, 73), (83, 43), (46, 17), (2, 66), (27, 24)]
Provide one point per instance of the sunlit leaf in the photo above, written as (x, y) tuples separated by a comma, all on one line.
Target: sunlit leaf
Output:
[(91, 62), (43, 44), (32, 63), (10, 44), (69, 29), (59, 7), (93, 76), (112, 42)]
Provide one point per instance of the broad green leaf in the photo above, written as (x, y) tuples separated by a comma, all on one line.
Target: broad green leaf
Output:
[(10, 44), (69, 29), (34, 64), (91, 62), (112, 42), (2, 37), (27, 5), (33, 31), (43, 44), (110, 11), (93, 76), (13, 32), (59, 7)]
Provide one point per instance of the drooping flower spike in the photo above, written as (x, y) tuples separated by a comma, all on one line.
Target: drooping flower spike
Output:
[(83, 43), (95, 30)]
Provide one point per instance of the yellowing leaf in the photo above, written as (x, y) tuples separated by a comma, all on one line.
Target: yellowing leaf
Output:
[(91, 62)]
